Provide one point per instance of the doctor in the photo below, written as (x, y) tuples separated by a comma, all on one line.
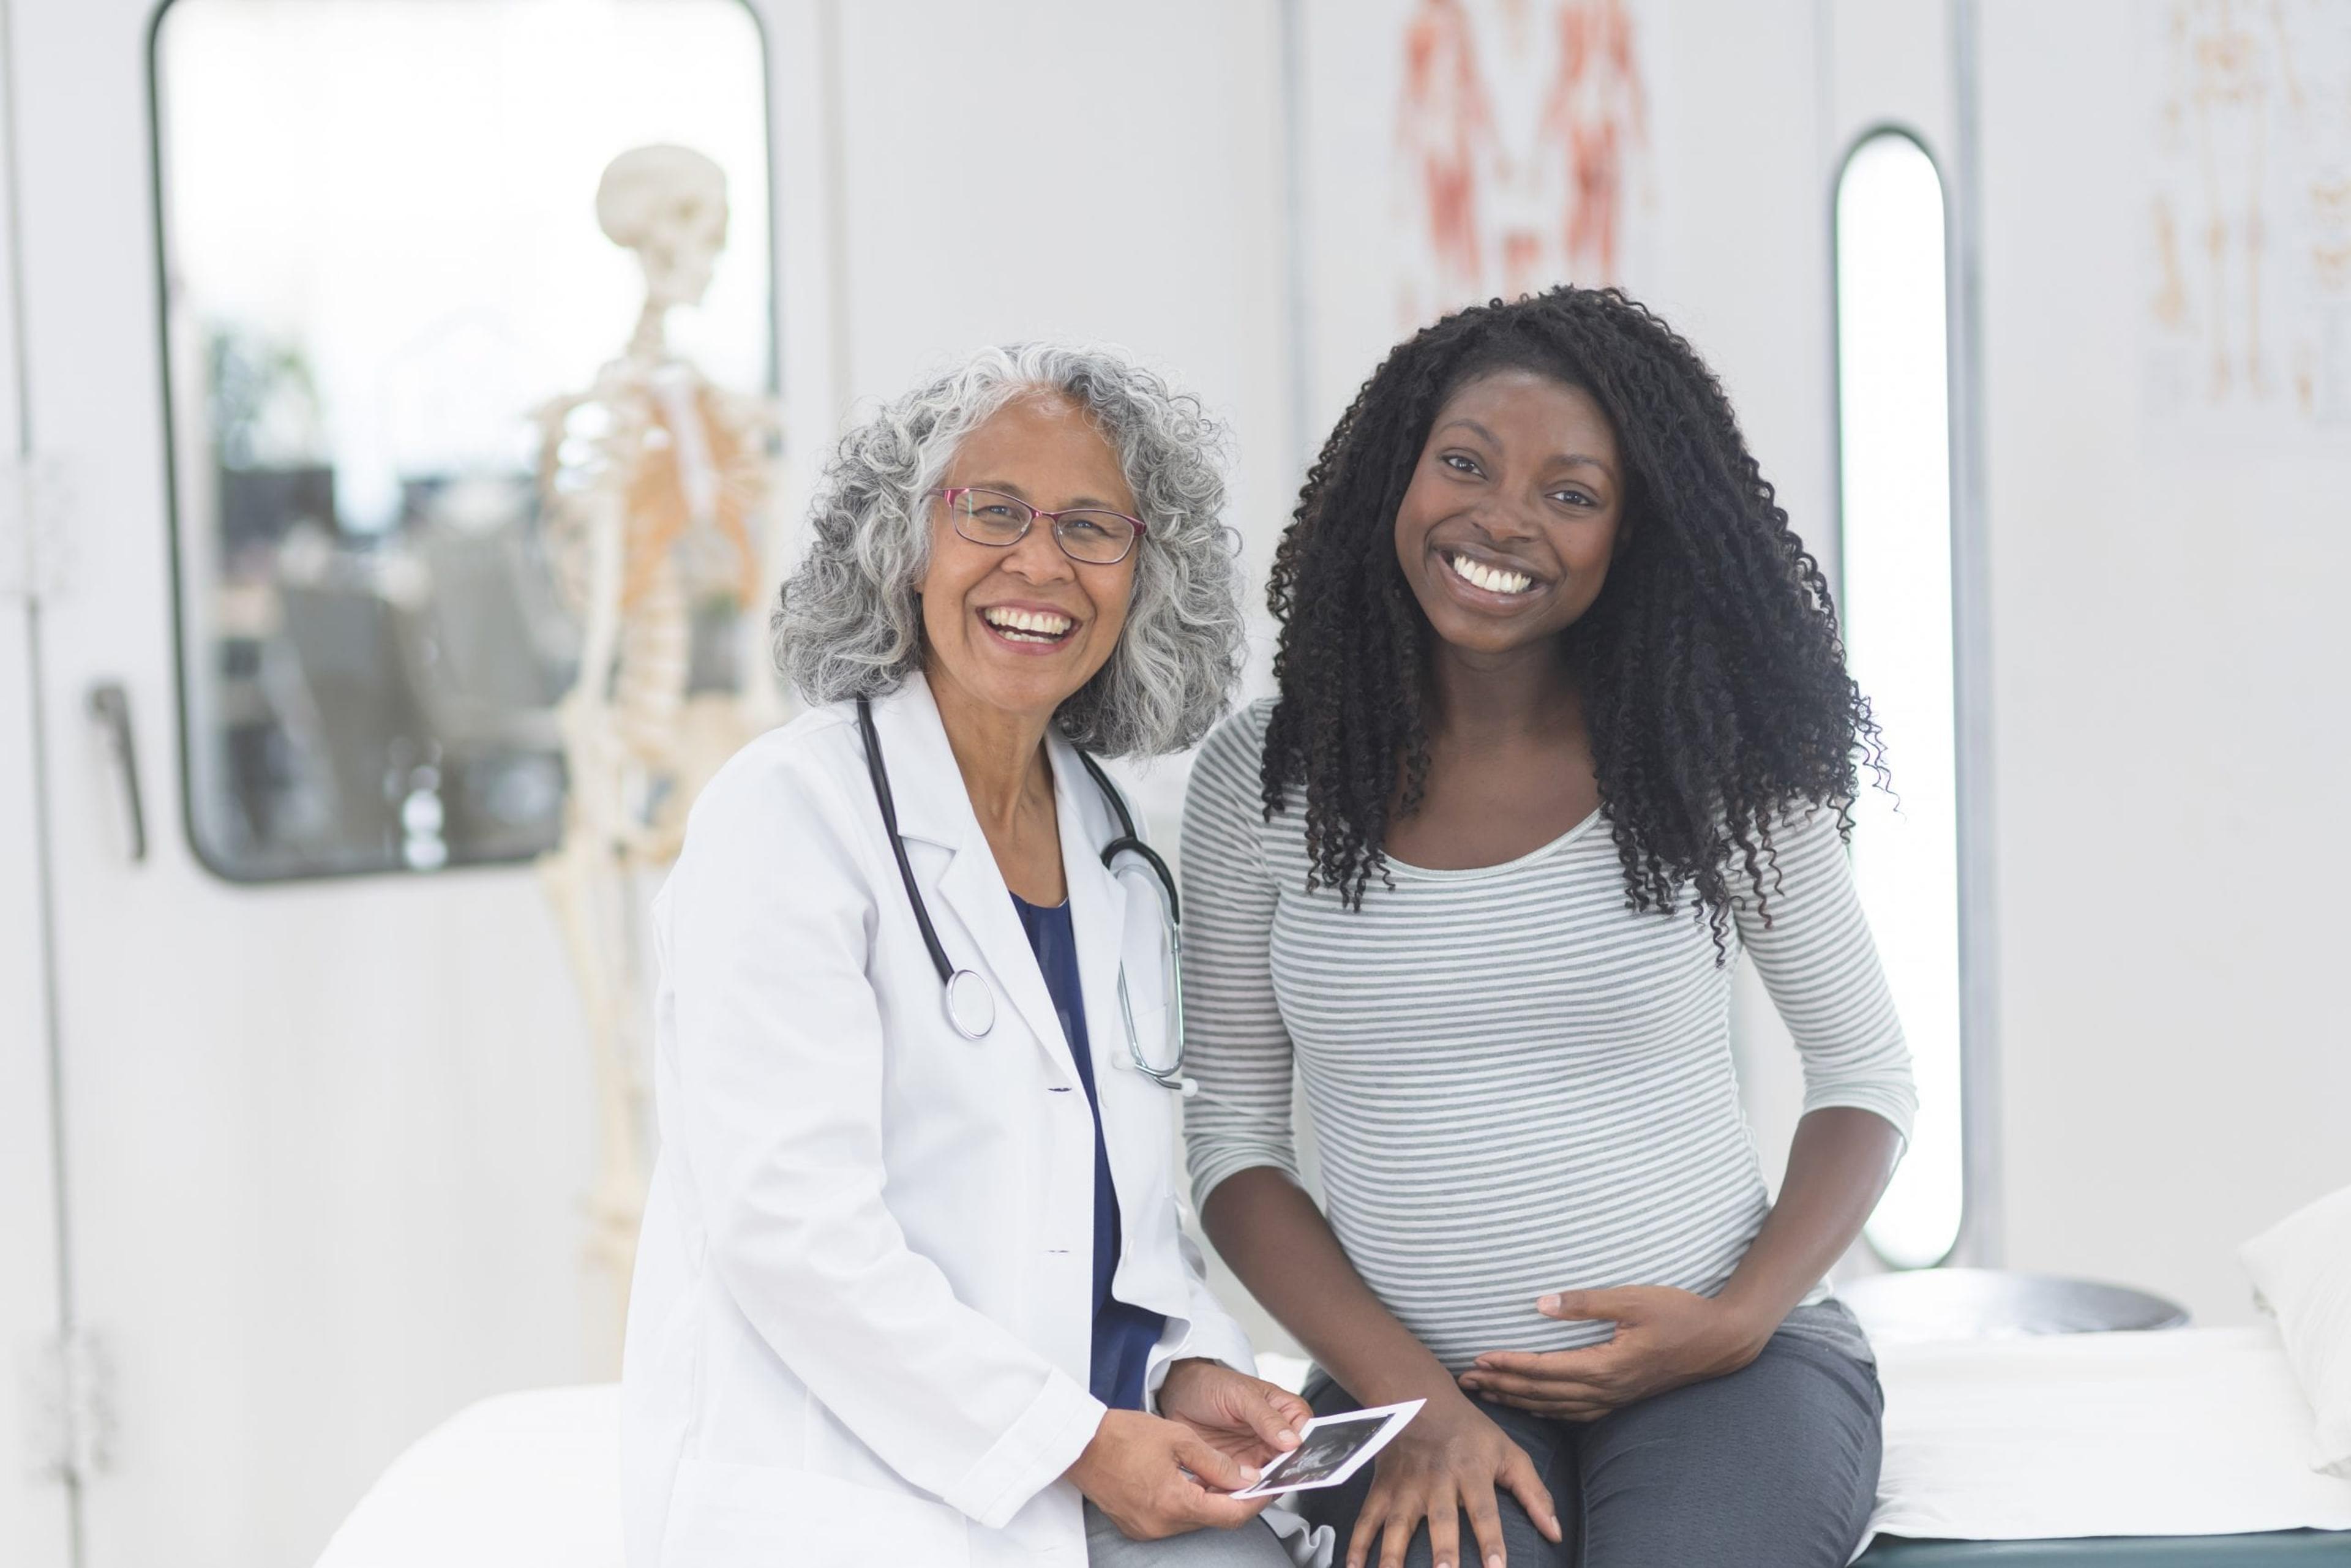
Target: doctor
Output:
[(911, 1289)]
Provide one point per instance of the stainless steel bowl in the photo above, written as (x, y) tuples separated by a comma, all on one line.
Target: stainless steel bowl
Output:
[(1998, 1304)]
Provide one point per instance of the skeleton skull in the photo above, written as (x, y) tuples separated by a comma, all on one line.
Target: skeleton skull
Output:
[(669, 206)]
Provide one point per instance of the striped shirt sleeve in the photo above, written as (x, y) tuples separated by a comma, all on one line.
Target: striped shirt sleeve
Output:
[(1234, 1042), (1820, 968)]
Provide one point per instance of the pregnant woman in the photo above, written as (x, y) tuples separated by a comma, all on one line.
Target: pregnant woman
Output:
[(1563, 729)]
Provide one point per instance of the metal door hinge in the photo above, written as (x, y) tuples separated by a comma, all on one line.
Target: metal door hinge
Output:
[(68, 1407), (33, 537)]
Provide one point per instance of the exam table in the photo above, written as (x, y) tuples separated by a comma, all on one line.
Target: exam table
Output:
[(2109, 1450)]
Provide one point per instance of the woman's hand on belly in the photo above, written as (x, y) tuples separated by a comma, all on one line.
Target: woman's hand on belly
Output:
[(1664, 1339), (1157, 1478), (1247, 1418), (1445, 1464)]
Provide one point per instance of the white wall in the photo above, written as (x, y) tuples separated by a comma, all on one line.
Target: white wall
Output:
[(2171, 741), (1127, 156)]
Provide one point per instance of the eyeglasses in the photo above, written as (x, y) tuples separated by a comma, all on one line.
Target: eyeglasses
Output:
[(1085, 534)]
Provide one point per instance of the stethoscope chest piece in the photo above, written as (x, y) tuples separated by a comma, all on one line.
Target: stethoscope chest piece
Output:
[(971, 1006)]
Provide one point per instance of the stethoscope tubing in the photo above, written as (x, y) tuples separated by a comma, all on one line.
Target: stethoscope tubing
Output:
[(951, 980), (889, 804)]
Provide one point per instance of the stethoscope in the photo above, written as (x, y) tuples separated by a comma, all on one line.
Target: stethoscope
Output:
[(970, 1004)]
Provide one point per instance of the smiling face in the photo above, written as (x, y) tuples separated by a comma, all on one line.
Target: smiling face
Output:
[(1020, 628), (1512, 515)]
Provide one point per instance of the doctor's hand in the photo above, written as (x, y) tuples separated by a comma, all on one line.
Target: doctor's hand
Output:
[(1247, 1418), (1664, 1339), (1158, 1478)]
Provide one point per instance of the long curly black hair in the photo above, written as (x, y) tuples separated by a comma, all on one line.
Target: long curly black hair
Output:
[(1712, 673)]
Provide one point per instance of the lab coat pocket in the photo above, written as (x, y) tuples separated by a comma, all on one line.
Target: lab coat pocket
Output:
[(763, 1516), (1141, 1111)]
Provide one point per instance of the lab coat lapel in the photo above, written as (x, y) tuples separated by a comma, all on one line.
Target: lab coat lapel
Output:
[(1098, 906), (933, 805), (1113, 920)]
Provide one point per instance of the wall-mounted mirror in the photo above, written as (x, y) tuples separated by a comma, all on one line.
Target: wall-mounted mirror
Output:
[(380, 253)]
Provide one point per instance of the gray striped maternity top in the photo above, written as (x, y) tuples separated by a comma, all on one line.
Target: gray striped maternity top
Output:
[(1517, 1083)]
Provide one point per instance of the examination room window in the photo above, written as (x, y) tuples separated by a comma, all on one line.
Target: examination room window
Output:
[(380, 254), (1894, 451)]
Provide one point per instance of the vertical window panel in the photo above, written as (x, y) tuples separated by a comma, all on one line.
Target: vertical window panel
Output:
[(1895, 457)]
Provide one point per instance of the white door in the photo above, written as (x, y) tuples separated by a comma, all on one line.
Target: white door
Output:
[(325, 1119), (35, 1511), (34, 1506)]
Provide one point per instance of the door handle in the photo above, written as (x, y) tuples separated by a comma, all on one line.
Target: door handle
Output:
[(109, 710)]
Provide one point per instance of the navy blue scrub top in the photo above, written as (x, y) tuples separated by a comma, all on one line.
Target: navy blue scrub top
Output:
[(1124, 1335)]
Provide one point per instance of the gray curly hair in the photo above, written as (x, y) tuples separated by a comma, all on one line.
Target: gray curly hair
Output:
[(848, 623)]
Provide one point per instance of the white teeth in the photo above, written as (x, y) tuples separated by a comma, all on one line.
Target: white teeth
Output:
[(1028, 625), (1481, 575)]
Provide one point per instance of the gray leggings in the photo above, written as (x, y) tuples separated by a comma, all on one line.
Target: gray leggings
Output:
[(1773, 1467)]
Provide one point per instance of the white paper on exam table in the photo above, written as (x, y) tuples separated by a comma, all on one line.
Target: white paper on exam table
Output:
[(1348, 1442), (2174, 1432)]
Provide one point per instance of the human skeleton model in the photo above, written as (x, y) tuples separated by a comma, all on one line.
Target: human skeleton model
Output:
[(654, 487)]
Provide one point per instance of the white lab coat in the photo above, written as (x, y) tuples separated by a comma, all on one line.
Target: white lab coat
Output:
[(863, 1317)]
